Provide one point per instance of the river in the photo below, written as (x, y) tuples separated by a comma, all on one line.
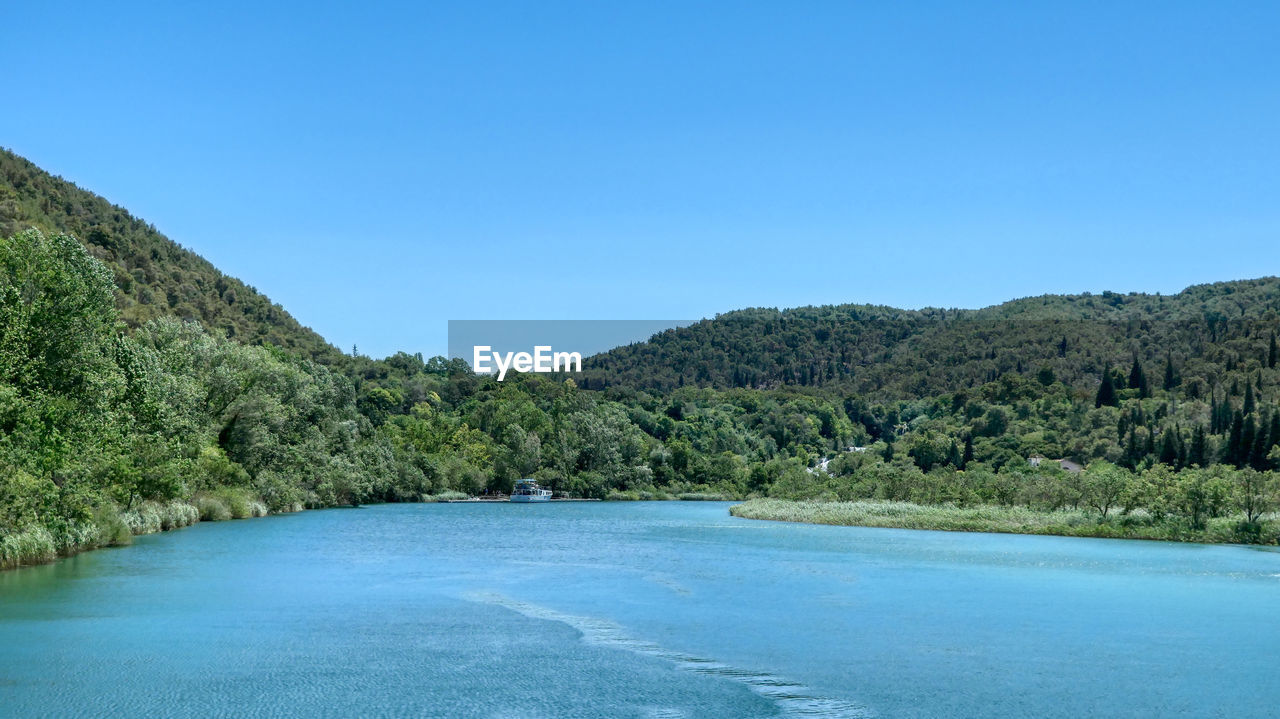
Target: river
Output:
[(658, 610)]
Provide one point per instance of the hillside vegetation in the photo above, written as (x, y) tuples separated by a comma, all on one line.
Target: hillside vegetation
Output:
[(153, 276), (121, 412), (1210, 333)]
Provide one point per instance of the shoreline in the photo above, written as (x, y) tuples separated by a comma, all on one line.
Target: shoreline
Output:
[(988, 519), (35, 547)]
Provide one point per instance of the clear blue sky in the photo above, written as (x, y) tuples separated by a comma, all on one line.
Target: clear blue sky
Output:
[(380, 168)]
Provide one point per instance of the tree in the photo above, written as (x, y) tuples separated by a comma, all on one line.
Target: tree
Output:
[(1260, 446), (1271, 352), (1231, 451), (1248, 437), (57, 314), (1104, 486), (1169, 448), (1045, 375), (1106, 396), (1170, 376), (1138, 379), (1199, 453), (1254, 493)]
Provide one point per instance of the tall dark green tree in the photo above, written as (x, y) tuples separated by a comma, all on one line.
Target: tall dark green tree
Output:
[(1169, 448), (1261, 446), (1231, 451), (1132, 453), (1170, 375), (1248, 436), (1106, 396), (1271, 352), (1138, 379), (1198, 455)]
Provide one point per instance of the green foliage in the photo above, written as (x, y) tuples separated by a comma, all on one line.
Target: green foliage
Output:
[(140, 388), (150, 275)]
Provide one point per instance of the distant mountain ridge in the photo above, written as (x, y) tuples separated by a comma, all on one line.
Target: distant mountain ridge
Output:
[(154, 275), (1206, 331)]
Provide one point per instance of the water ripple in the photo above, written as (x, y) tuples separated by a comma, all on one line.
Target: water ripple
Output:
[(792, 698)]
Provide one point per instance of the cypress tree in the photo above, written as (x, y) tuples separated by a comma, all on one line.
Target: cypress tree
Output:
[(1182, 448), (1199, 453), (1271, 353), (1273, 437), (953, 456), (1138, 379), (1261, 445), (1250, 404), (968, 450), (1247, 438), (1170, 377), (1130, 459), (1231, 452), (1149, 448), (1106, 391), (1169, 449), (1213, 412)]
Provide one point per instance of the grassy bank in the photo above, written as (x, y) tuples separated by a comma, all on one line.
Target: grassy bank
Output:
[(111, 526), (1008, 520)]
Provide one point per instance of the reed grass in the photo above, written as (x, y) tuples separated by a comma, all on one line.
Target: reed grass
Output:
[(152, 517), (228, 503), (704, 497), (1010, 520), (446, 496), (31, 546), (638, 495)]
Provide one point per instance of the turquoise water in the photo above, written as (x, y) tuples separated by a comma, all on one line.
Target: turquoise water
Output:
[(656, 610)]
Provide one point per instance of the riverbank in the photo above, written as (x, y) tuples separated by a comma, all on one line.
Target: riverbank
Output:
[(1007, 520), (113, 527)]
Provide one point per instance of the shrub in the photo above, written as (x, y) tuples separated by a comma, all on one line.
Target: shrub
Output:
[(212, 509)]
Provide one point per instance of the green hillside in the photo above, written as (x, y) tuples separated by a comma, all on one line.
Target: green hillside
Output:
[(154, 276), (1209, 333), (117, 417)]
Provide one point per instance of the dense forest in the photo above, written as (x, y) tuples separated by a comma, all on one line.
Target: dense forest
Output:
[(140, 389), (153, 276), (1211, 334)]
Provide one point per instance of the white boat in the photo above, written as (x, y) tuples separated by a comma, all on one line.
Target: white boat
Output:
[(528, 490)]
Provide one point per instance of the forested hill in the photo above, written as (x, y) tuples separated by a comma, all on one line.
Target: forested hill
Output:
[(154, 276), (1205, 333)]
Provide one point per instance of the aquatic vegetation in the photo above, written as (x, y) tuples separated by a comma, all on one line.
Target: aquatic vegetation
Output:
[(228, 503), (446, 496), (704, 497), (1010, 520), (638, 495), (152, 517), (33, 546)]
